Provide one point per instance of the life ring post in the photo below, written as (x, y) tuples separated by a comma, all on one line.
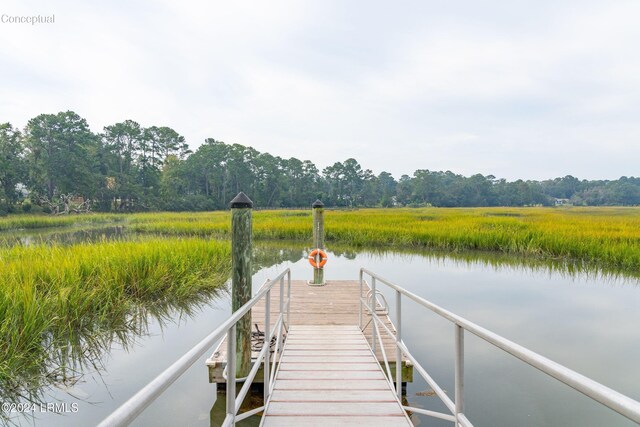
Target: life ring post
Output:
[(319, 256)]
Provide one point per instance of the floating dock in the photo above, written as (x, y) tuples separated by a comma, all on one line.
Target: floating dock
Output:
[(334, 304), (328, 373)]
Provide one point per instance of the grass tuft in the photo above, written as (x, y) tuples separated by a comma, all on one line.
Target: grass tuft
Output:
[(52, 296)]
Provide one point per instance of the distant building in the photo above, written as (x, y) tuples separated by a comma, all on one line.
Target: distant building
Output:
[(562, 202), (22, 190)]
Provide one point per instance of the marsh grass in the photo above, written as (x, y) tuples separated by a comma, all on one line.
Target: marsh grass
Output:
[(19, 222), (58, 303), (63, 305), (602, 237)]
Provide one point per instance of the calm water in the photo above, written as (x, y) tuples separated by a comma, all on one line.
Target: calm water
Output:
[(64, 236), (583, 320)]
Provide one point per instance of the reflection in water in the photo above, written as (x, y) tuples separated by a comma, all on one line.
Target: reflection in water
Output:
[(254, 399), (68, 236), (496, 261), (68, 354), (566, 315), (558, 309), (268, 252)]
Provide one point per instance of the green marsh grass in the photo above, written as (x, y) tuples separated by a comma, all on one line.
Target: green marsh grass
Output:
[(17, 222), (59, 300), (600, 237), (604, 237), (52, 296)]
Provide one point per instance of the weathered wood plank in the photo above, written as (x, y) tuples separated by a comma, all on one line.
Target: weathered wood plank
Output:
[(321, 341), (329, 358), (311, 347), (307, 384), (329, 375), (337, 334), (371, 365), (322, 334), (333, 396), (334, 408), (329, 353), (336, 421)]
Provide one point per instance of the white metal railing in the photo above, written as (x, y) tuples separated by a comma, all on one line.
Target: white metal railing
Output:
[(129, 410), (618, 402)]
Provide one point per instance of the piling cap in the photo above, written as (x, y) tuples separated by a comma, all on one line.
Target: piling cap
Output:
[(241, 201), (317, 204)]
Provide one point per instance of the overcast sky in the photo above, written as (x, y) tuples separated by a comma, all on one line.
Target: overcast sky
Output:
[(517, 89)]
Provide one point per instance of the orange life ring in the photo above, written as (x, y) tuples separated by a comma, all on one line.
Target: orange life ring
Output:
[(312, 258)]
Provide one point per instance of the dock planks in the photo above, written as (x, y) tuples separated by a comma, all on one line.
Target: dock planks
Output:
[(339, 391), (314, 308)]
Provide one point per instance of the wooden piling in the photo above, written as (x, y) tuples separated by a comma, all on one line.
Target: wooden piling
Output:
[(318, 238), (241, 236)]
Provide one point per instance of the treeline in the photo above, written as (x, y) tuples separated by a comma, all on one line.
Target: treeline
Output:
[(57, 159)]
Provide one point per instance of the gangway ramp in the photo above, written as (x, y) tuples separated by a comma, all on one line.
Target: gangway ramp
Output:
[(328, 376)]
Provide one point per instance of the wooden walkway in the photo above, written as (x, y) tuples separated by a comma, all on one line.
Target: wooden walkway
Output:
[(335, 304), (328, 376)]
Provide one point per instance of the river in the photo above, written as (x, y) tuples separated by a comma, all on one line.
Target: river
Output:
[(585, 320)]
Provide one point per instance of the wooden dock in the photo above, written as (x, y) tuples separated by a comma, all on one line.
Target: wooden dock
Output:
[(334, 304), (328, 375)]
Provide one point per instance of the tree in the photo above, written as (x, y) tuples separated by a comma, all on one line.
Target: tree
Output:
[(122, 142), (370, 192), (153, 168), (404, 189), (387, 189), (58, 154), (345, 182), (173, 185), (311, 186), (12, 167), (426, 188)]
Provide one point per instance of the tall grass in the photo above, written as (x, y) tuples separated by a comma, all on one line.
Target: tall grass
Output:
[(56, 299), (601, 237), (17, 222), (604, 237), (53, 295)]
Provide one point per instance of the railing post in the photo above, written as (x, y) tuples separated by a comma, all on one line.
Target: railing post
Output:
[(360, 303), (398, 340), (241, 223), (373, 313), (282, 296), (231, 378), (267, 342), (288, 301), (318, 238), (282, 311), (459, 372)]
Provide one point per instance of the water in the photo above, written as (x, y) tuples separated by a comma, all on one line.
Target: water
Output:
[(584, 320), (65, 237)]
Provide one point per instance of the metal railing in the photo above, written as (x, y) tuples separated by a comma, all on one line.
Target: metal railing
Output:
[(128, 411), (618, 402)]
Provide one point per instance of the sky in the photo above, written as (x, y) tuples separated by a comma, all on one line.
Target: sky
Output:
[(515, 89)]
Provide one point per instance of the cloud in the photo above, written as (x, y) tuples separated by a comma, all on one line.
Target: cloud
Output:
[(530, 90)]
